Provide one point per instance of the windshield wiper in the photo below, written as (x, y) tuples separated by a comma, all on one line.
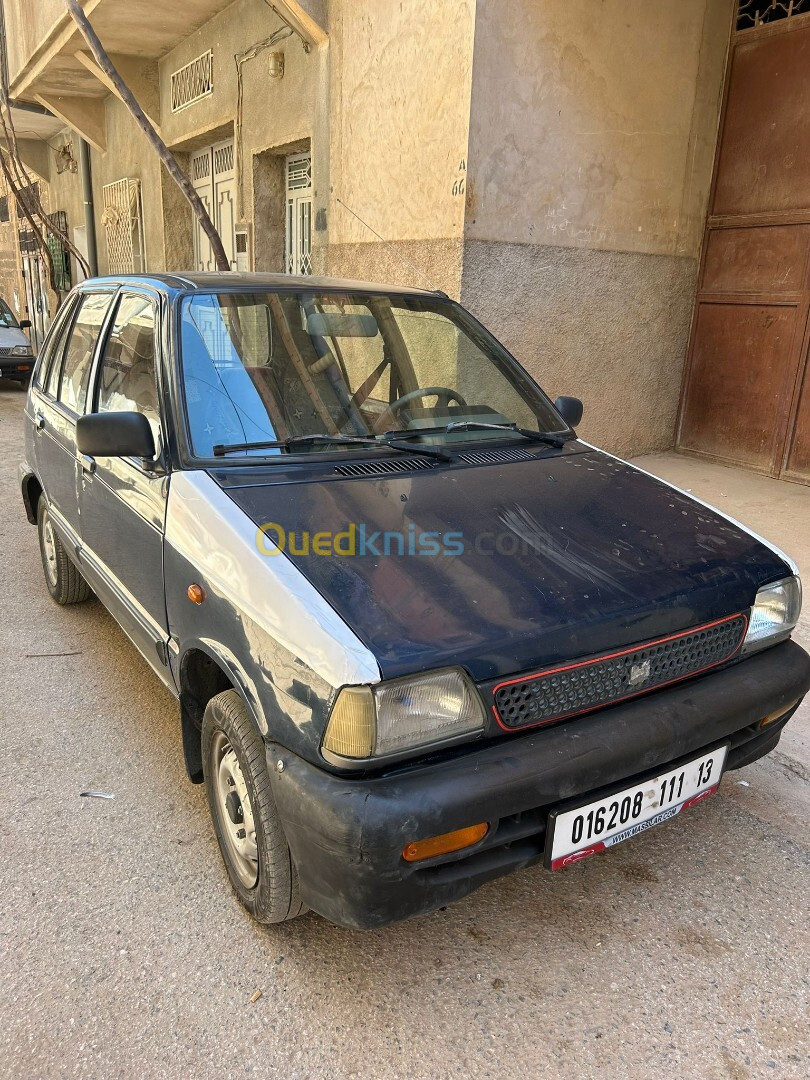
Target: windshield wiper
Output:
[(551, 438), (220, 450)]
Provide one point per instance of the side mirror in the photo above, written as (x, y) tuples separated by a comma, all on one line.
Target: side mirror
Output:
[(25, 324), (115, 434), (570, 409)]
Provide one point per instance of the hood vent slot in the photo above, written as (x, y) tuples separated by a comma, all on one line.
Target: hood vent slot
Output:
[(384, 468), (494, 457)]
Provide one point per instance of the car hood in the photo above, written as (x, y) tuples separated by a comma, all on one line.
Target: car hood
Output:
[(12, 336), (562, 555)]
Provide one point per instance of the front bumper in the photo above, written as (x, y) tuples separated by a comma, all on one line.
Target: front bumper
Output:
[(346, 835), (18, 368)]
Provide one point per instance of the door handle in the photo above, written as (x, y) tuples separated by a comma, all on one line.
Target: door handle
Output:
[(88, 464), (39, 420)]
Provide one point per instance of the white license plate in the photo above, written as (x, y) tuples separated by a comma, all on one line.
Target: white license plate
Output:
[(576, 834)]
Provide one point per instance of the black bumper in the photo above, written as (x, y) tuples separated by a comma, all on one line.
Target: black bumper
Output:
[(19, 369), (347, 835)]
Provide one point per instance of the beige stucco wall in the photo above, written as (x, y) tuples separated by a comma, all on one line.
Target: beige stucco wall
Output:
[(399, 115), (583, 128), (592, 136)]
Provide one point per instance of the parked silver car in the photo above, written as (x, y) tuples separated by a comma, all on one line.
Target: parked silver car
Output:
[(16, 353)]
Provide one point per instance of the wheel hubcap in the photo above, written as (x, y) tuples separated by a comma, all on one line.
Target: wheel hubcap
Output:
[(49, 543), (234, 811)]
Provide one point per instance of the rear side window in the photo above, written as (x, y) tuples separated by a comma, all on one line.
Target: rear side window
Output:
[(80, 347)]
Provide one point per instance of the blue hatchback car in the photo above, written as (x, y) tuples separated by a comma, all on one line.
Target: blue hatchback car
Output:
[(421, 634)]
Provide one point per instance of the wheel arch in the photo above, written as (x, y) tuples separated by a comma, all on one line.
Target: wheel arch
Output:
[(203, 672), (31, 493)]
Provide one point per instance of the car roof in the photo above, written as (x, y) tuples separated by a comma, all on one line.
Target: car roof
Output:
[(186, 281)]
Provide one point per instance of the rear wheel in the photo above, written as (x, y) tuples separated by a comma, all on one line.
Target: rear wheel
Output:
[(65, 584), (251, 839)]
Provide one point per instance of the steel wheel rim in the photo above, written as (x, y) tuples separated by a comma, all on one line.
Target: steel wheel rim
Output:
[(49, 544), (232, 800)]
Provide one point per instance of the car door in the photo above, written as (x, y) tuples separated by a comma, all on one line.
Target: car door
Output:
[(58, 404), (123, 500)]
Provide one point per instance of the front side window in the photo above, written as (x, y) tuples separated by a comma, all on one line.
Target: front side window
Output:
[(80, 348), (127, 380), (260, 367)]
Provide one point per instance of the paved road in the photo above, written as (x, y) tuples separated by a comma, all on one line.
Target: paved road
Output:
[(122, 953)]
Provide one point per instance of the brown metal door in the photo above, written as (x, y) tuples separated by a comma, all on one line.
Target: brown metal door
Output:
[(746, 394)]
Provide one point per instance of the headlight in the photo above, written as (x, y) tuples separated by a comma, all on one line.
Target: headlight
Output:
[(22, 350), (403, 714), (774, 614)]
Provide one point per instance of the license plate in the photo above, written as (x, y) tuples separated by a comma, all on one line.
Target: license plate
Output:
[(575, 834)]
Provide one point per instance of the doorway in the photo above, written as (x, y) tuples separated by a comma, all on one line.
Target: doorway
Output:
[(214, 179), (298, 234), (746, 398)]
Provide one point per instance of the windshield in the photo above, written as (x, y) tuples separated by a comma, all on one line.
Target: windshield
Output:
[(6, 317), (258, 367)]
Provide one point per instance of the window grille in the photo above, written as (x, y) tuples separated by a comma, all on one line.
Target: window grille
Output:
[(123, 226), (299, 172), (751, 13), (193, 81), (223, 158), (59, 253)]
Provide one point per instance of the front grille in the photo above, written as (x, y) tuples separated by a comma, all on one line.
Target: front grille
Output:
[(590, 684), (5, 351)]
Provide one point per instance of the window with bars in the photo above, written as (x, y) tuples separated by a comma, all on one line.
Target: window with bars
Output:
[(122, 218), (59, 253), (298, 231), (751, 13), (193, 81)]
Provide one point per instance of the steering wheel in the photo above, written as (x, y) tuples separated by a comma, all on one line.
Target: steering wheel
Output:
[(443, 393)]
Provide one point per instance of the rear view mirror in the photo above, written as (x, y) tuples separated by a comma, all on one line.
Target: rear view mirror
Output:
[(25, 324), (570, 409), (115, 434), (337, 324)]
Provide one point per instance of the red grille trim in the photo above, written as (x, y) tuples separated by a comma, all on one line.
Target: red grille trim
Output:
[(613, 656)]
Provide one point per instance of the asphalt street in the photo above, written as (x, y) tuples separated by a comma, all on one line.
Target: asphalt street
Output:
[(682, 953)]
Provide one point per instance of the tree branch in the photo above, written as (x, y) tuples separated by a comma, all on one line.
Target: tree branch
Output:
[(143, 122)]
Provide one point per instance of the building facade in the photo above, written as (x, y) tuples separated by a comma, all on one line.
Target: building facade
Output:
[(549, 164)]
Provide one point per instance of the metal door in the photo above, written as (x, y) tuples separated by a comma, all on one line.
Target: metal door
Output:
[(214, 179), (746, 394), (298, 232)]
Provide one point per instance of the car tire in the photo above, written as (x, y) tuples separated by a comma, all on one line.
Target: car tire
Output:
[(237, 784), (65, 583)]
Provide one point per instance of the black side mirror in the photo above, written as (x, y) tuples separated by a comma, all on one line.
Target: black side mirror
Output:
[(115, 434), (25, 324), (570, 409)]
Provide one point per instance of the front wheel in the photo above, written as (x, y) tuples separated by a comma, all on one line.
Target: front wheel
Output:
[(65, 583), (251, 839)]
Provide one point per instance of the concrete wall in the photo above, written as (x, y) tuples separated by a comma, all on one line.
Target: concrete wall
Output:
[(592, 135), (11, 284), (399, 116)]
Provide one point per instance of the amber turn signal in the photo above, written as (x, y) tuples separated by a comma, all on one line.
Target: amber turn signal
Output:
[(771, 718), (195, 593), (444, 844)]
